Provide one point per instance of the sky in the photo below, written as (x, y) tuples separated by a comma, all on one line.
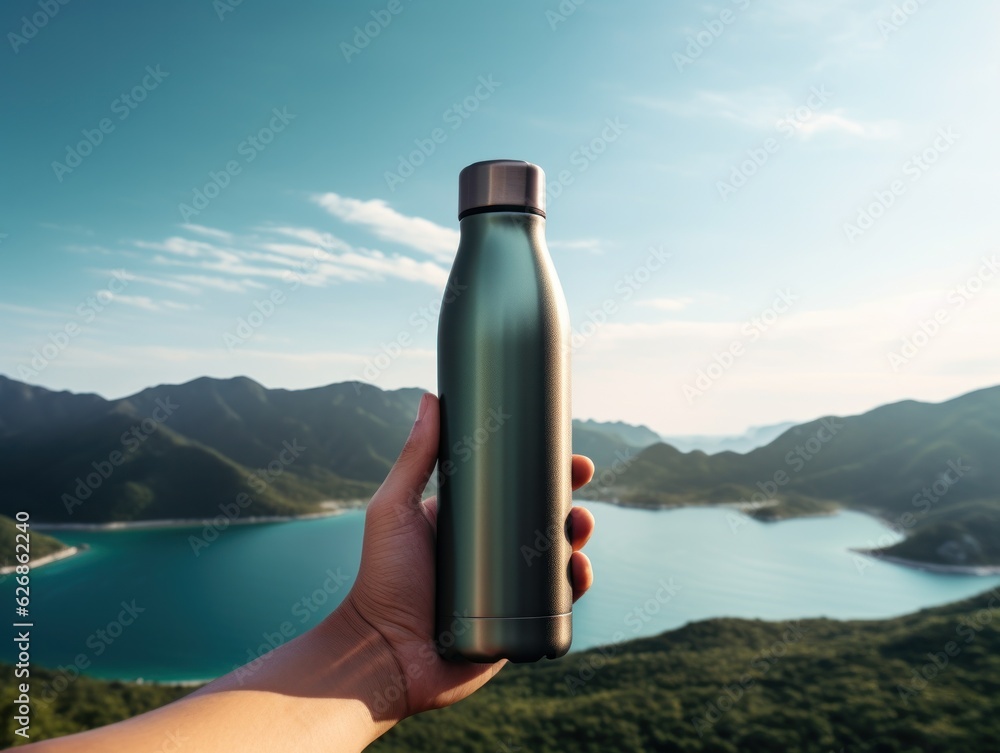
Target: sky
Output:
[(759, 210)]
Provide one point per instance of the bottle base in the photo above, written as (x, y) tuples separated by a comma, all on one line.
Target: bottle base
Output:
[(517, 639)]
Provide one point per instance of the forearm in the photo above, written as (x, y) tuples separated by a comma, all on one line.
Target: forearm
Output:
[(323, 691)]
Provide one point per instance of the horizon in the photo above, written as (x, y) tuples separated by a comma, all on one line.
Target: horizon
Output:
[(750, 218), (661, 434)]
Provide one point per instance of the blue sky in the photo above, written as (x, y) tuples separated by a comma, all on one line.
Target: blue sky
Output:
[(783, 209)]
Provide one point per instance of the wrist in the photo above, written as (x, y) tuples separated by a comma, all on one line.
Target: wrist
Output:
[(365, 657)]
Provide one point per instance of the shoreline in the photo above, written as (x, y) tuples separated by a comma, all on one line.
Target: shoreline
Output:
[(46, 560), (126, 525), (931, 567), (339, 507)]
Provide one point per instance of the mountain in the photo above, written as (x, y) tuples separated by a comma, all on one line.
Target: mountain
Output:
[(186, 449), (751, 439), (181, 451), (608, 442), (40, 544), (635, 436), (930, 470), (921, 682)]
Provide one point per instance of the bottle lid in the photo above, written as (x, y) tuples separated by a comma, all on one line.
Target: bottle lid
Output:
[(501, 185)]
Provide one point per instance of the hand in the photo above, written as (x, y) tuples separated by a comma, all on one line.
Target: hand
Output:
[(393, 594), (369, 664)]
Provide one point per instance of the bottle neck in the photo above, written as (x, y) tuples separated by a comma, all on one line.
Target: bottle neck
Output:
[(480, 221)]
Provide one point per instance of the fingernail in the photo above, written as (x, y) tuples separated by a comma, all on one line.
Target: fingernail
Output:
[(422, 408)]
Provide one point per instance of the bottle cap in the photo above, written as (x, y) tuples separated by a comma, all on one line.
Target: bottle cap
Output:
[(501, 185)]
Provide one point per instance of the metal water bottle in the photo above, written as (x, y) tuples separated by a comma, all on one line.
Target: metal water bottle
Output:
[(504, 467)]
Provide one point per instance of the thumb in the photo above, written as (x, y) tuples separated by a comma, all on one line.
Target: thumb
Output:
[(409, 474)]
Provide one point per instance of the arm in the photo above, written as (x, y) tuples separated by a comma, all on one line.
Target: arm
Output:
[(369, 664)]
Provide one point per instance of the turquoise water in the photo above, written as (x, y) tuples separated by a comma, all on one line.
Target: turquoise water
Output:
[(654, 570)]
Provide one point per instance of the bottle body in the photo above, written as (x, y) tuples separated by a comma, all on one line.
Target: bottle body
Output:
[(503, 549)]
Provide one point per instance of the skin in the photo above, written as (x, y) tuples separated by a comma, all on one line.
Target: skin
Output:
[(367, 666)]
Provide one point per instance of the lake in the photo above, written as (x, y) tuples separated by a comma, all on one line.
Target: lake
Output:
[(196, 617)]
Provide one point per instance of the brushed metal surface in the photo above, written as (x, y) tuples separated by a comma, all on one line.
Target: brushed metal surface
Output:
[(505, 454), (501, 183)]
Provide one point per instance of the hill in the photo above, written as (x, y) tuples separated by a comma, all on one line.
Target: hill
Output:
[(41, 545), (751, 439), (928, 469), (179, 451), (923, 682)]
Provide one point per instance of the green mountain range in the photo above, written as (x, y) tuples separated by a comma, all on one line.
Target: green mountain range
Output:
[(925, 682), (930, 470), (181, 451), (198, 449)]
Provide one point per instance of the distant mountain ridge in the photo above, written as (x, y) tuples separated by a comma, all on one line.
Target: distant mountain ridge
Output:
[(929, 469), (710, 444), (179, 451), (183, 451)]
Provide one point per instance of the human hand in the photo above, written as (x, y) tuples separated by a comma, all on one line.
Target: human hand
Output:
[(393, 595), (369, 664)]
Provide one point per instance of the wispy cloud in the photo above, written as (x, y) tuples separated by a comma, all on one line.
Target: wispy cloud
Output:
[(209, 232), (27, 310), (666, 304), (148, 304), (763, 108), (203, 258), (388, 224)]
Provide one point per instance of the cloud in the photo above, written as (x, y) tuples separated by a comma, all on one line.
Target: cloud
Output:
[(220, 283), (209, 232), (764, 108), (27, 310), (388, 224), (148, 304), (666, 304)]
